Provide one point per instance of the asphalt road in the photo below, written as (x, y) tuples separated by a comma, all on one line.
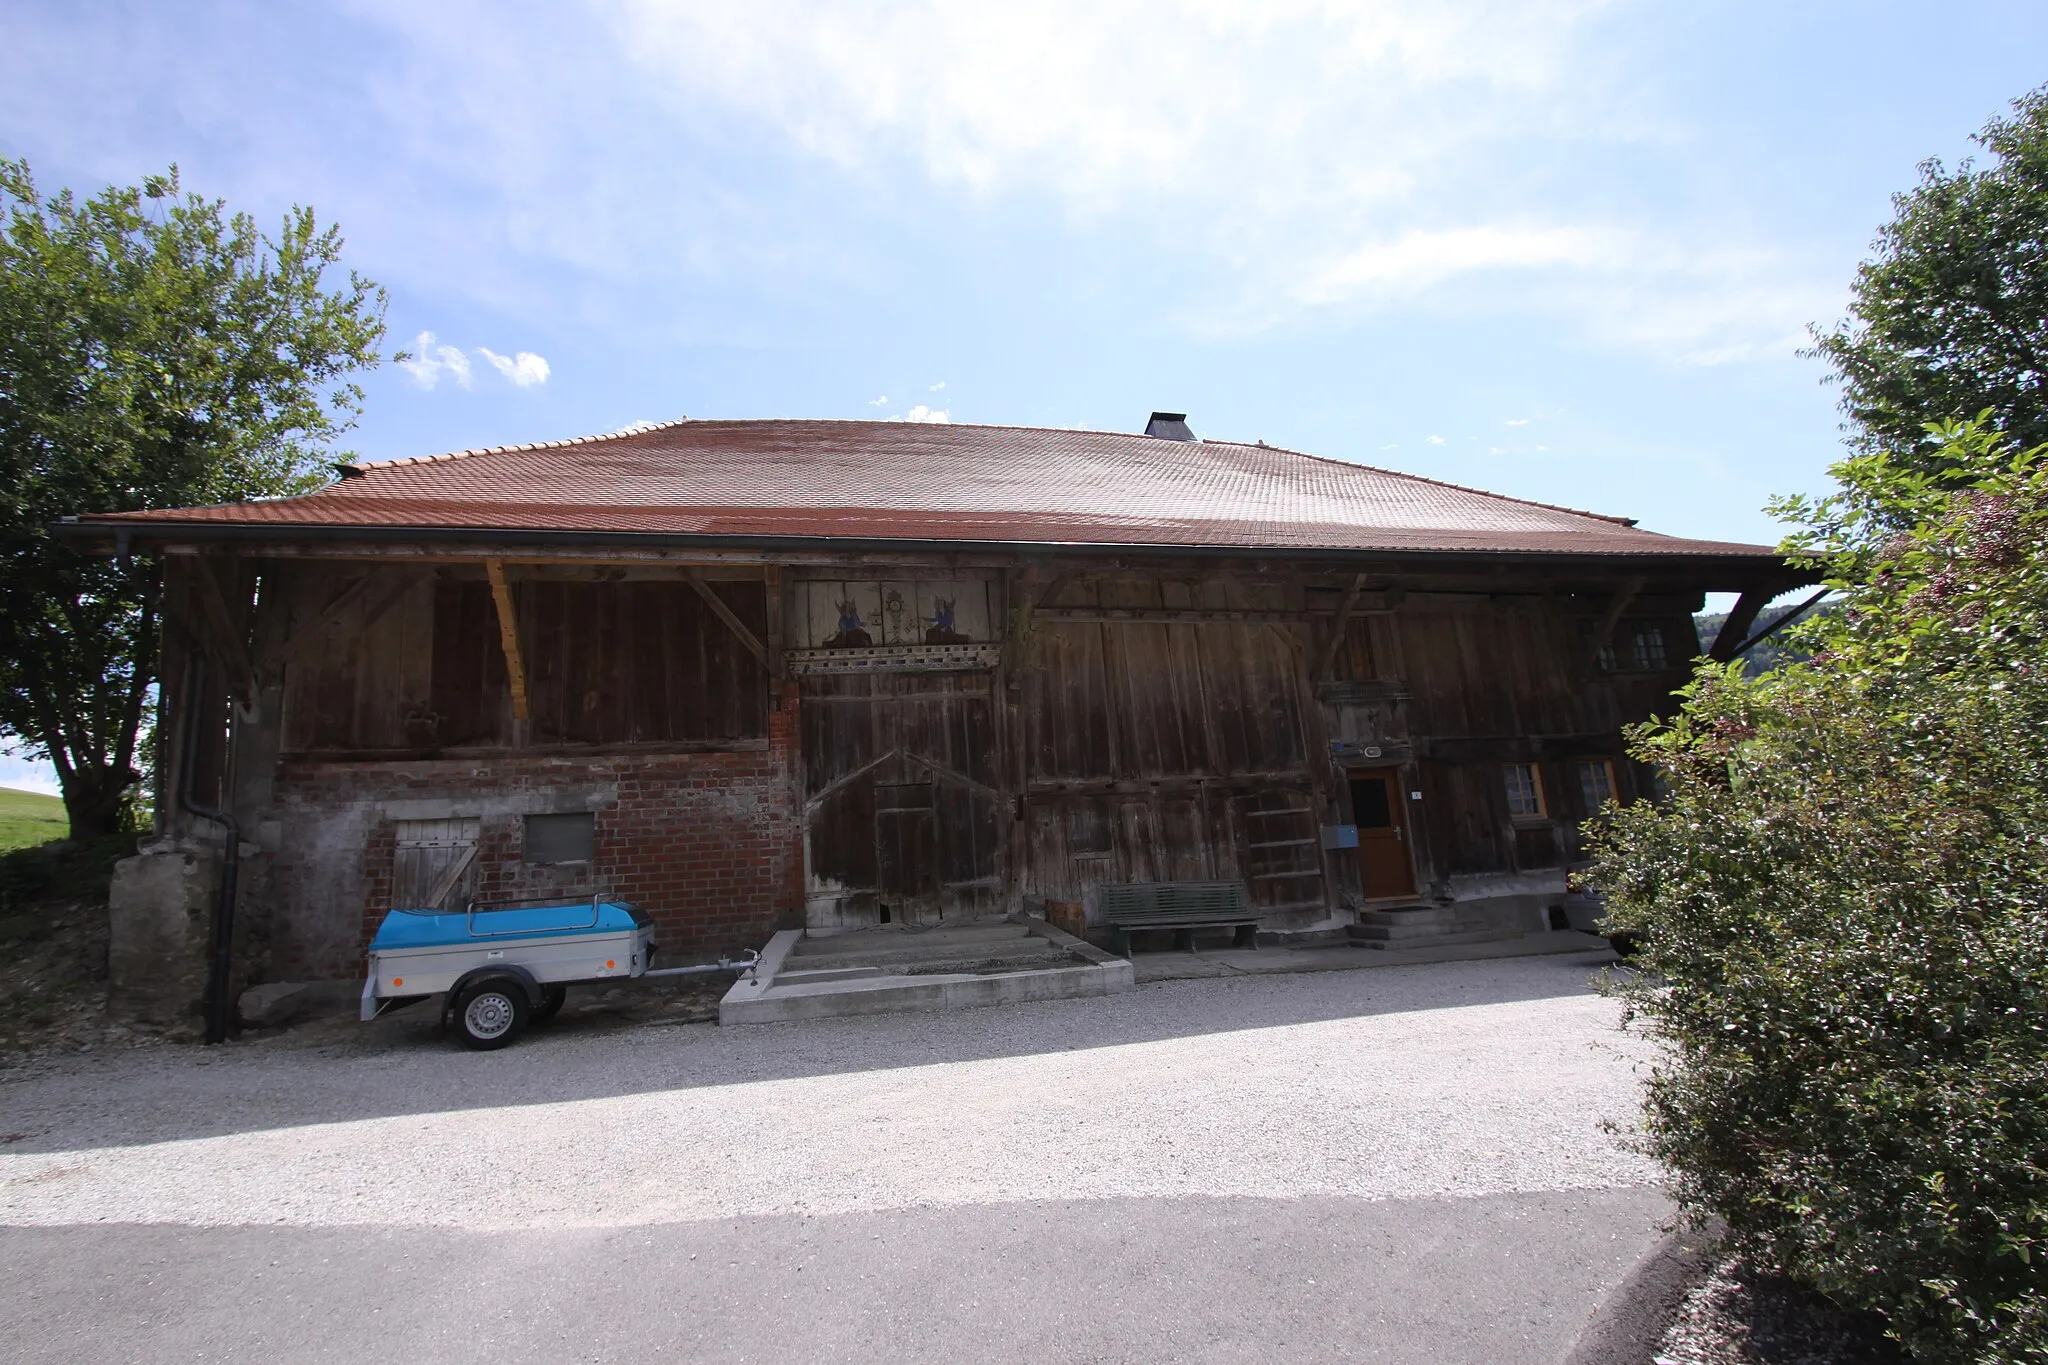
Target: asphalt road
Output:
[(1396, 1165)]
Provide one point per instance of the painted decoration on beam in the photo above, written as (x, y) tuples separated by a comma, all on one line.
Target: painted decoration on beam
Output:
[(856, 615), (893, 625)]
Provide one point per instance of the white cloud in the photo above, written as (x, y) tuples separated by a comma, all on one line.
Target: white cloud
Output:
[(921, 413), (524, 369), (1392, 447), (936, 387), (639, 424), (431, 362), (1297, 160), (883, 401), (1516, 422), (1434, 440)]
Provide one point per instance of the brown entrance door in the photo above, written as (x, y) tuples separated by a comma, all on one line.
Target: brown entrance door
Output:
[(1385, 869)]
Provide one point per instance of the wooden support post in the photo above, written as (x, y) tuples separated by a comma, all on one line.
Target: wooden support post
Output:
[(1327, 656), (224, 637), (508, 637), (771, 586), (727, 615)]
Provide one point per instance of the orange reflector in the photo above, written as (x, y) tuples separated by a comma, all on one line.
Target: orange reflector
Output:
[(398, 981), (609, 963)]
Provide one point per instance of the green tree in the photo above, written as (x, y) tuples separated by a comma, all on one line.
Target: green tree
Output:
[(1843, 911), (1951, 316), (155, 351)]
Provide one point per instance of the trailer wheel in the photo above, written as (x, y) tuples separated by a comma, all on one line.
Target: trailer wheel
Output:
[(550, 1004), (491, 1014)]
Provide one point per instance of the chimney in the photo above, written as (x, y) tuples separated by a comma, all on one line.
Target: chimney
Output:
[(1169, 426)]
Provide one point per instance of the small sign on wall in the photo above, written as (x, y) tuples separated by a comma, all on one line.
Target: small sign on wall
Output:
[(1340, 836)]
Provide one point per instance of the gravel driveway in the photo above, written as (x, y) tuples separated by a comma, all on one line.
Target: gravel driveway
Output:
[(1320, 1093)]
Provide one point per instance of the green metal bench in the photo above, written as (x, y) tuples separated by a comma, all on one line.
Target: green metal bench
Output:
[(1182, 907)]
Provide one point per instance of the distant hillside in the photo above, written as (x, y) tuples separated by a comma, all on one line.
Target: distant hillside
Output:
[(30, 818), (1773, 651)]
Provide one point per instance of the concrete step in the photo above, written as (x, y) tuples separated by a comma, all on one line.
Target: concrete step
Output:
[(816, 975), (930, 946), (1421, 915), (883, 993), (1381, 936), (1023, 958)]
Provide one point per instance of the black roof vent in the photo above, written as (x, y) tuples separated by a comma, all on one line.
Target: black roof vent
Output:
[(1169, 426)]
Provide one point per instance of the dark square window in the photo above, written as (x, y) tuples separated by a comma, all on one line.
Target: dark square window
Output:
[(560, 838), (1650, 647)]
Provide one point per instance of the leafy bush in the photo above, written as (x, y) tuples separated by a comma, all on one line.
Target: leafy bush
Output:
[(1843, 910)]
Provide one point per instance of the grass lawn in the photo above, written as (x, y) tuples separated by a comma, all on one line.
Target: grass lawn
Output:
[(30, 818)]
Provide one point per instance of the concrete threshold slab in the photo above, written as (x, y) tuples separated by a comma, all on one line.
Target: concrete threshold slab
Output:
[(938, 991), (1350, 957)]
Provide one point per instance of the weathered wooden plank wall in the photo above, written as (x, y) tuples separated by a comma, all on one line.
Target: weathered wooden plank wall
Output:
[(413, 663), (1170, 751)]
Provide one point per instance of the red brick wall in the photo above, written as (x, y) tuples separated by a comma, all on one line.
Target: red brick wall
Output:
[(709, 844)]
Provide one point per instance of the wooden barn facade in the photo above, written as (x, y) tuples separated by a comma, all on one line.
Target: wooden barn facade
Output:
[(765, 674)]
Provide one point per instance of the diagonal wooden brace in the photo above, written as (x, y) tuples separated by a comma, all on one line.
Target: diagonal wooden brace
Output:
[(727, 615), (508, 637)]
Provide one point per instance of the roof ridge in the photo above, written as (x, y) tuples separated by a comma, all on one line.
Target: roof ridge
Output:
[(513, 449)]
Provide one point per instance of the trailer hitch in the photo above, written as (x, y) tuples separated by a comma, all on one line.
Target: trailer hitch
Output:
[(724, 964)]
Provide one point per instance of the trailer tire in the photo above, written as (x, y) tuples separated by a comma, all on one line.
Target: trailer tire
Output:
[(491, 1014), (551, 998)]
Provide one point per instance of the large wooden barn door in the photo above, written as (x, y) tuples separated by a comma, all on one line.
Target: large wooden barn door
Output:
[(901, 798), (1172, 750)]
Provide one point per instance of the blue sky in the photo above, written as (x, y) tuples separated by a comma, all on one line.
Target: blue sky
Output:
[(1561, 250)]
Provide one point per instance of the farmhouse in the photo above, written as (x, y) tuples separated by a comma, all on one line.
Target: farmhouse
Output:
[(825, 674)]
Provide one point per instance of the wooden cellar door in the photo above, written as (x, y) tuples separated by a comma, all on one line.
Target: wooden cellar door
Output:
[(906, 852), (1386, 871)]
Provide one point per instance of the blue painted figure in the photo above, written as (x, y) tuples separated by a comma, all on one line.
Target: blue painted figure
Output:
[(942, 632), (851, 634)]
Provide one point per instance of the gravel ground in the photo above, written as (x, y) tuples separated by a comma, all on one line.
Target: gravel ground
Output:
[(1739, 1316), (1467, 1079)]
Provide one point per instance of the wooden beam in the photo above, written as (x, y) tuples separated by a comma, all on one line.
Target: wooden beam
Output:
[(1327, 655), (726, 614), (771, 585), (1604, 634), (223, 638), (508, 638), (1740, 618), (1784, 619)]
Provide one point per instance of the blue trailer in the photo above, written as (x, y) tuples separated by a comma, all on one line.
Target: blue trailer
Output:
[(500, 968)]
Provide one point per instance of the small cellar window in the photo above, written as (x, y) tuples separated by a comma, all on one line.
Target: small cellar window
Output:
[(1596, 783), (560, 838), (1524, 791)]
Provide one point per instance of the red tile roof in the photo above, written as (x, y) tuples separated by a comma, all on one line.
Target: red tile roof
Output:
[(900, 481)]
